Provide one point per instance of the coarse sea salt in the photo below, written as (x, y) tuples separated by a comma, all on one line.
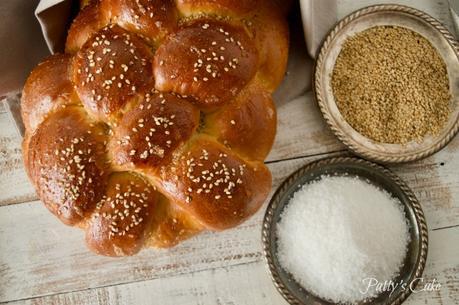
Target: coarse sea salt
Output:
[(338, 232)]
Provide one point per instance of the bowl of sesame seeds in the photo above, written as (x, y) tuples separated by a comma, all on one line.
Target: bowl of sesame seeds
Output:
[(387, 83)]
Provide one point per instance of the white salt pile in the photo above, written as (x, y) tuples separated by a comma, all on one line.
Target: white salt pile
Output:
[(338, 231)]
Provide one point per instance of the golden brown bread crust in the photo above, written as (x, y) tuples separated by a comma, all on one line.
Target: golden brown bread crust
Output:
[(216, 186), (151, 19), (208, 60), (111, 68), (66, 162), (271, 35), (123, 216), (170, 225), (89, 20), (265, 23), (147, 135), (219, 7), (248, 124), (155, 124), (44, 92)]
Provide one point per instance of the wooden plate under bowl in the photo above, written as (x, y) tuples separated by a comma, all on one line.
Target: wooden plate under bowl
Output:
[(415, 259), (380, 15)]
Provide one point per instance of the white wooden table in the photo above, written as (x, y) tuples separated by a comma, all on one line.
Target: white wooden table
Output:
[(44, 262)]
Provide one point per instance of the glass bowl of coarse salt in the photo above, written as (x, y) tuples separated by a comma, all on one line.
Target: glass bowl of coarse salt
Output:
[(387, 83), (344, 231)]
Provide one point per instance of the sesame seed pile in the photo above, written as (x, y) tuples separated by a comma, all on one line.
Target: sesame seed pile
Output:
[(391, 85)]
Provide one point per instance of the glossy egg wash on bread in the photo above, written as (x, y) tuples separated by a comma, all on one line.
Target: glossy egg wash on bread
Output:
[(154, 124)]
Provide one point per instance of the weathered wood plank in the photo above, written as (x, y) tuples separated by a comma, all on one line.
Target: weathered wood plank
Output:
[(435, 181), (250, 284), (246, 284), (14, 185), (42, 256), (301, 132), (442, 265)]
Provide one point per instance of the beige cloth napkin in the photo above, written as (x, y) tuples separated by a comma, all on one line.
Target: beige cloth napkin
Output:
[(318, 17)]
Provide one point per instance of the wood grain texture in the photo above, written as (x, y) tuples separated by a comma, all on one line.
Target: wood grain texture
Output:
[(442, 265), (248, 284), (435, 181), (245, 284), (14, 185), (301, 131), (51, 258)]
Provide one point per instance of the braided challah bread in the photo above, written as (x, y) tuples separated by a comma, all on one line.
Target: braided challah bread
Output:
[(154, 124)]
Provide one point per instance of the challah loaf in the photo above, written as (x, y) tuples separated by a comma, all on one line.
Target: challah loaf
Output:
[(154, 124)]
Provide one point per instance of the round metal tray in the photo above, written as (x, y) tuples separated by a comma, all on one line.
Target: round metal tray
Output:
[(415, 259), (361, 20)]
